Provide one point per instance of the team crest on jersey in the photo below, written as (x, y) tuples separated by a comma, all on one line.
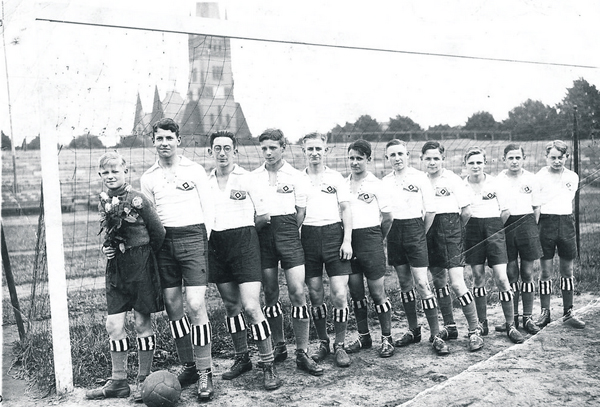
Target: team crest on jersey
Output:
[(186, 186), (285, 189), (365, 197), (488, 196), (237, 195), (442, 191), (569, 186), (411, 188), (328, 189), (526, 189)]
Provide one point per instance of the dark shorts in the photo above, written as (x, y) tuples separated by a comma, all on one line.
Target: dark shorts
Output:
[(322, 246), (183, 257), (445, 241), (558, 231), (484, 238), (234, 256), (132, 282), (522, 238), (407, 243), (368, 256), (280, 241)]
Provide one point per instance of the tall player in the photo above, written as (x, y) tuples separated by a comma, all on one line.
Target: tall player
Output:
[(285, 196), (179, 189), (522, 236), (484, 237), (445, 243), (371, 222), (557, 230), (413, 209), (327, 240), (234, 257)]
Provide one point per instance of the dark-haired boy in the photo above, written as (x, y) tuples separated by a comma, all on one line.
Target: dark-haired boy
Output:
[(234, 257), (179, 189), (285, 197)]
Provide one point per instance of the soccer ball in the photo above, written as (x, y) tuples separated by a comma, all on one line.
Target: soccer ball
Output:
[(161, 389)]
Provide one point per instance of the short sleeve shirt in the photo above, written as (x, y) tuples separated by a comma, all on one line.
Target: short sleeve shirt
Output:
[(288, 191), (369, 202), (411, 197), (450, 193), (236, 205), (489, 201), (522, 193), (322, 201), (177, 195), (557, 191)]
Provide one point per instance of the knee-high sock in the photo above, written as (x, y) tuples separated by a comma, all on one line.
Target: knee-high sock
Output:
[(545, 292), (118, 356), (236, 326), (340, 324), (146, 348), (527, 293), (480, 295), (567, 286), (180, 330), (361, 315), (261, 334), (431, 313), (384, 313), (319, 314), (274, 315), (409, 303), (201, 339), (301, 324), (445, 304), (468, 307), (506, 300), (516, 296)]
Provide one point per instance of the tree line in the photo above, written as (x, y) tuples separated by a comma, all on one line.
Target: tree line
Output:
[(531, 120)]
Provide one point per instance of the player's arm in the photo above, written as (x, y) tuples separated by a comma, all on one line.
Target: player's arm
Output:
[(206, 200), (428, 219), (386, 223), (258, 196), (504, 215), (146, 188), (346, 215), (300, 215), (465, 214), (153, 224)]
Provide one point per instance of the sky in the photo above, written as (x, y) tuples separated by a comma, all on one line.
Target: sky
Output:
[(74, 79)]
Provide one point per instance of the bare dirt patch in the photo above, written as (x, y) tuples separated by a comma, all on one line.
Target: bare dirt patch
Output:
[(559, 366)]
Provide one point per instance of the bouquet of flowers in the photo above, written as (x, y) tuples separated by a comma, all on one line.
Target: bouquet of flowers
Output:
[(113, 212)]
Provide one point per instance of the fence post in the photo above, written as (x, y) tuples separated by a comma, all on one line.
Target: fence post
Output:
[(576, 169)]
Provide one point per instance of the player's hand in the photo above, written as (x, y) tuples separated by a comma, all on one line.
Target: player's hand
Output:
[(346, 251), (109, 252)]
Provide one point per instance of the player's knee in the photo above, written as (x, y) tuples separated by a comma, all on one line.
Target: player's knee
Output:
[(458, 289), (114, 328)]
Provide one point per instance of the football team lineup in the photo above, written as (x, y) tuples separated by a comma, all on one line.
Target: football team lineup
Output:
[(235, 228)]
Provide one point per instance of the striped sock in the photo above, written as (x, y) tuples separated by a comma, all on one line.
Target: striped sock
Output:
[(431, 313), (445, 304), (468, 307), (360, 314), (261, 334), (545, 293), (480, 295), (274, 315), (201, 339), (118, 354), (516, 296), (506, 300), (145, 352), (319, 314), (567, 286), (527, 294), (410, 308), (301, 325), (340, 324), (384, 313), (180, 330), (236, 326)]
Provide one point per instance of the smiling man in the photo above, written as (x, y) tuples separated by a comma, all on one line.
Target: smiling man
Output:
[(179, 189)]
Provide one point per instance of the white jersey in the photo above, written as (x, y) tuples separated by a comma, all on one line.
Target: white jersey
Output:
[(322, 200), (450, 192), (368, 202), (557, 191), (288, 191), (522, 192), (412, 196), (487, 199)]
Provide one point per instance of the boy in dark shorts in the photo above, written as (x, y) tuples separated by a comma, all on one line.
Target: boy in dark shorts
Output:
[(234, 257), (371, 222), (484, 239), (327, 240), (179, 188), (557, 231), (413, 208), (445, 243), (285, 197), (522, 237), (132, 280)]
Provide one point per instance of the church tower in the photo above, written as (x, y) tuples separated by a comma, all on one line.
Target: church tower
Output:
[(210, 104)]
